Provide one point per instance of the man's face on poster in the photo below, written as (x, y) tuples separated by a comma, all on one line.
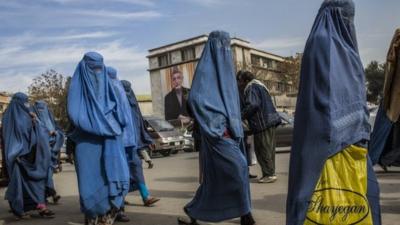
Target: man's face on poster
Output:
[(177, 80)]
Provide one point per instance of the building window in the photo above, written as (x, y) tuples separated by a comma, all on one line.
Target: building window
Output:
[(289, 88), (163, 60), (267, 63), (281, 87), (255, 60), (264, 62), (188, 54)]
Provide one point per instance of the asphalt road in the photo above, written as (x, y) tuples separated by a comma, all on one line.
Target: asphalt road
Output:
[(174, 179)]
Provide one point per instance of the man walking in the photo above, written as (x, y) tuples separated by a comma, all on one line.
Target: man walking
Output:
[(261, 114)]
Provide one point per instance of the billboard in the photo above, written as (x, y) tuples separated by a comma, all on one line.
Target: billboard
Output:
[(177, 81)]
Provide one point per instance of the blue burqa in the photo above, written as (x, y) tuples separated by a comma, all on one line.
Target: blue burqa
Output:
[(380, 135), (143, 140), (331, 111), (27, 156), (129, 131), (96, 113), (214, 101), (56, 137)]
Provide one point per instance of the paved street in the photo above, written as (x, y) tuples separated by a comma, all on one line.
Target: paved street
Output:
[(174, 179)]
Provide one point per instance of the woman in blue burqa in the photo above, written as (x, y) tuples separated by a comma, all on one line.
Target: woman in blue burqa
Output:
[(224, 192), (133, 153), (100, 162), (27, 157), (384, 147), (56, 141), (331, 113), (145, 142)]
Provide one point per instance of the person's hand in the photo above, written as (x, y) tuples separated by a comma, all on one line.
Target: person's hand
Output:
[(33, 115), (181, 117), (34, 118), (184, 119)]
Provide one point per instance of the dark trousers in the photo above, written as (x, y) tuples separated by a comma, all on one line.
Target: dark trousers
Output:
[(264, 147), (391, 153)]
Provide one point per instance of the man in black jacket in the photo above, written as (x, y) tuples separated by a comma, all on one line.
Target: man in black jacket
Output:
[(263, 119), (175, 100)]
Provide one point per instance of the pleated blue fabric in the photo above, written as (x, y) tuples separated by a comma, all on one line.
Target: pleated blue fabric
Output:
[(27, 156), (331, 110), (214, 101), (56, 140), (98, 118)]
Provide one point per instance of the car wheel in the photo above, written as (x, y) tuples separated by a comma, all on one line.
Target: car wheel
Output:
[(188, 150), (174, 152), (166, 153)]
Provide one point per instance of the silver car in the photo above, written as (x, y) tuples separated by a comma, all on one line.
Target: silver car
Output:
[(167, 139)]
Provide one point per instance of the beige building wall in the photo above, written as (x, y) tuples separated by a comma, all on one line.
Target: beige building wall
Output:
[(146, 108), (263, 64), (4, 101), (156, 93)]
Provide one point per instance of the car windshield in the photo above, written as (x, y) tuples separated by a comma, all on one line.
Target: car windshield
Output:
[(160, 125)]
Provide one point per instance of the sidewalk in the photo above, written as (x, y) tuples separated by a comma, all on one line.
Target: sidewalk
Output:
[(174, 180)]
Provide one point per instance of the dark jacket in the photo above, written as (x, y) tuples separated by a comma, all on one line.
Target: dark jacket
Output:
[(4, 173), (172, 108), (258, 109)]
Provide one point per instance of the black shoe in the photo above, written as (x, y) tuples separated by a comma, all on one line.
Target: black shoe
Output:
[(121, 217), (56, 198), (70, 161), (384, 168), (247, 220), (187, 221), (151, 165), (251, 176)]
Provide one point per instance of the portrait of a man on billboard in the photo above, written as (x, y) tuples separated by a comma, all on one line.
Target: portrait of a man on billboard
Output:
[(175, 106)]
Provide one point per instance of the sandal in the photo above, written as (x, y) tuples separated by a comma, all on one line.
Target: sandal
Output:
[(150, 201), (112, 215), (46, 213), (122, 217), (91, 221), (23, 216)]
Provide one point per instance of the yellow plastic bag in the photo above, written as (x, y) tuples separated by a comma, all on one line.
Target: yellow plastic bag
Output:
[(340, 197)]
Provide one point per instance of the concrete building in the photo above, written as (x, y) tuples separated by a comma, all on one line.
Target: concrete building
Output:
[(145, 104), (4, 101), (184, 55)]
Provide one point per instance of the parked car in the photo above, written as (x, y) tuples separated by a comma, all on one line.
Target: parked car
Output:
[(188, 144), (185, 128), (167, 139), (284, 132)]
